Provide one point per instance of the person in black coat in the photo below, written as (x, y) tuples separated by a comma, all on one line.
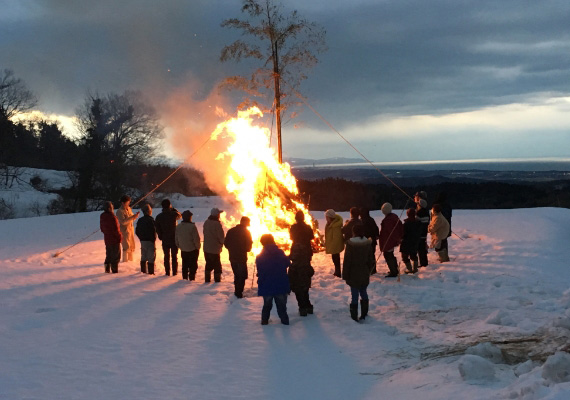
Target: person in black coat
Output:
[(422, 215), (371, 231), (301, 271), (348, 225), (356, 270), (166, 230), (146, 232), (238, 241), (446, 211), (410, 241)]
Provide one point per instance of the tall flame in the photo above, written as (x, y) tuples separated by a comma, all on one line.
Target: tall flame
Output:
[(264, 190)]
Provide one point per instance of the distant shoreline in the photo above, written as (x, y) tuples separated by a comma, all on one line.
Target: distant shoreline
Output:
[(538, 164)]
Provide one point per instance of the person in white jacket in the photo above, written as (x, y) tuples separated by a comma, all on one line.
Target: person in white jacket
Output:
[(126, 218), (439, 230), (213, 245), (188, 241)]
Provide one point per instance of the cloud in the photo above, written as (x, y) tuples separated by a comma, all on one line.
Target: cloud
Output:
[(387, 60)]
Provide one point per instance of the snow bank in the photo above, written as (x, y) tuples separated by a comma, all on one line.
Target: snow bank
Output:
[(70, 331)]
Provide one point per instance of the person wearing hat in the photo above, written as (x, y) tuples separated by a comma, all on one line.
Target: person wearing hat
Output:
[(146, 232), (187, 240), (422, 215), (301, 271), (356, 270), (213, 245), (166, 230), (126, 218), (109, 225), (391, 231), (272, 279), (238, 241), (334, 241)]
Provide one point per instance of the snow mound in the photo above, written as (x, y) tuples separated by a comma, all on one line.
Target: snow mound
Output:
[(556, 369), (476, 369), (500, 317), (488, 351)]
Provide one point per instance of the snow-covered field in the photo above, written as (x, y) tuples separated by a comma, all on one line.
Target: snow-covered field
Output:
[(483, 326)]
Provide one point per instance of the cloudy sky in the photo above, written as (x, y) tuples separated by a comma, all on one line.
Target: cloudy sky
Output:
[(403, 80)]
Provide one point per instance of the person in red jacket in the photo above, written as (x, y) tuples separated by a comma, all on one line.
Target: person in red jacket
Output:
[(391, 232), (109, 225)]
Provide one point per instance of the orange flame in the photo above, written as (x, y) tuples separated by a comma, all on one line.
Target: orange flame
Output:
[(264, 190)]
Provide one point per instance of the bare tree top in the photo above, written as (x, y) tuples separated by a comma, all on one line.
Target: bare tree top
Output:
[(15, 97)]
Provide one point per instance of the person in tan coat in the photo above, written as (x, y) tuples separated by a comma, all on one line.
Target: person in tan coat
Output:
[(188, 241), (213, 245), (334, 240), (439, 230), (126, 218)]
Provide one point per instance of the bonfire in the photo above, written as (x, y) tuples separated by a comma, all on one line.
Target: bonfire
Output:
[(261, 188)]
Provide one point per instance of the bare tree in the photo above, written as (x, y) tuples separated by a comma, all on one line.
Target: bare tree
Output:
[(14, 95), (116, 131), (284, 44)]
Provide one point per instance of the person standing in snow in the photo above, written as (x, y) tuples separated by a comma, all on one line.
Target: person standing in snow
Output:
[(301, 271), (238, 241), (126, 218), (109, 225), (372, 232), (272, 279), (446, 211), (410, 241), (349, 224), (422, 215), (391, 231), (166, 230), (334, 241), (146, 232), (356, 270), (187, 240), (213, 245), (439, 231)]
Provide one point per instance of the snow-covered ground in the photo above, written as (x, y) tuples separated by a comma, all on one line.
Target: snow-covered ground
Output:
[(19, 199), (483, 326)]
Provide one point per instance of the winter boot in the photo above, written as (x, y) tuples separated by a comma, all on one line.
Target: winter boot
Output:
[(441, 256), (415, 266), (125, 256), (107, 268), (217, 277), (151, 268), (364, 308), (444, 255), (409, 269), (207, 276), (303, 312), (174, 269), (115, 267), (143, 267), (310, 309), (354, 312)]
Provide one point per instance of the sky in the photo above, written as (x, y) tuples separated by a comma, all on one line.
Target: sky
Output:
[(407, 80)]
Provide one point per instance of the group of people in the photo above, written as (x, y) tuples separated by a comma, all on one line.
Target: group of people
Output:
[(279, 274), (359, 236)]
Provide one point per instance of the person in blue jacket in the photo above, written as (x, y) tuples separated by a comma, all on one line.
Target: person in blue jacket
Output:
[(272, 279)]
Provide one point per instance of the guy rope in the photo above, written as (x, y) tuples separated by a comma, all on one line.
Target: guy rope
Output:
[(57, 254)]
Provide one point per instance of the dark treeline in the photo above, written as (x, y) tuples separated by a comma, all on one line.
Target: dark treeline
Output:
[(340, 194), (119, 136)]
